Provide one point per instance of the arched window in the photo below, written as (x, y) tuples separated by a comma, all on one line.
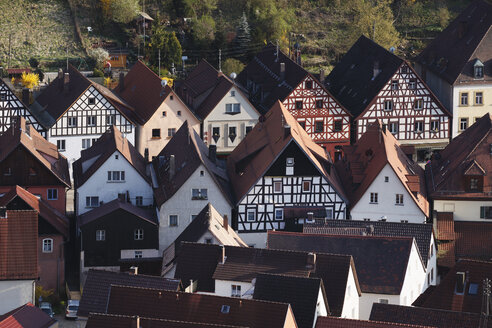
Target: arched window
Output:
[(47, 245)]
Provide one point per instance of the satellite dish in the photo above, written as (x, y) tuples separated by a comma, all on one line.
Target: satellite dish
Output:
[(392, 49), (233, 75), (163, 83)]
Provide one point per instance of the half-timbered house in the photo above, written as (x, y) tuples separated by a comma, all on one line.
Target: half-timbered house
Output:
[(381, 181), (373, 83), (11, 107), (110, 169), (162, 111), (30, 161), (281, 178), (222, 105), (273, 76), (76, 111)]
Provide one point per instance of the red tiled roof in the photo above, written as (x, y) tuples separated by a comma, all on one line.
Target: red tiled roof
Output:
[(18, 70), (446, 253), (473, 240), (369, 155), (26, 316), (445, 226), (333, 322), (19, 245), (200, 81)]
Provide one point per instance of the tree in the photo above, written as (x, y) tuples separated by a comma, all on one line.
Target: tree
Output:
[(99, 55), (243, 36), (124, 11), (232, 65), (167, 43), (29, 80)]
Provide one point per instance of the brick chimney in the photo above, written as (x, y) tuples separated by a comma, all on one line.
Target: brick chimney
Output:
[(122, 81), (226, 223), (286, 130), (66, 82), (60, 78), (212, 153), (282, 71), (26, 96), (134, 270), (322, 75)]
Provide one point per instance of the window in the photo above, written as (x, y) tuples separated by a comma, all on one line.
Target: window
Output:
[(412, 84), (248, 129), (72, 122), (306, 186), (216, 134), (374, 197), (173, 220), (52, 194), (404, 69), (91, 201), (86, 143), (478, 98), (337, 125), (3, 96), (418, 127), (233, 108), (116, 176), (464, 99), (199, 194), (394, 85), (116, 156), (91, 101), (138, 234), (208, 241), (32, 171), (138, 254), (139, 201), (473, 184), (277, 186), (486, 212), (463, 123), (171, 97), (303, 125), (156, 133), (251, 215), (473, 289), (7, 171), (171, 132), (100, 235), (478, 69), (319, 103), (418, 104), (279, 214), (318, 126), (299, 104), (47, 245), (60, 144), (434, 126), (91, 120), (289, 161), (110, 119), (393, 127), (232, 133), (388, 105), (399, 199), (164, 114), (233, 93), (202, 173), (235, 290), (386, 179), (309, 84), (383, 301), (179, 113)]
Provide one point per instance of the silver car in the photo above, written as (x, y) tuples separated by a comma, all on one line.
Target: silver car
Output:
[(72, 308)]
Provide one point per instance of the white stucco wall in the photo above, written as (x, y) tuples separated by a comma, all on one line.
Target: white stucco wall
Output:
[(182, 205), (351, 301), (223, 287), (367, 299), (471, 111), (463, 210), (130, 253), (432, 264), (98, 185), (254, 239), (386, 206), (15, 293)]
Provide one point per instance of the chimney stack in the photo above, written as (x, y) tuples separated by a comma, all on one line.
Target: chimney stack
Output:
[(60, 78), (462, 29), (122, 81), (224, 257), (310, 216), (226, 223), (212, 153), (172, 167), (322, 76), (282, 71), (26, 97), (66, 82), (136, 322), (286, 130), (134, 270), (311, 260), (376, 70)]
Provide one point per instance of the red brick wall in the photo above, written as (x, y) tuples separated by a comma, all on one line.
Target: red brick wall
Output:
[(51, 265), (59, 204)]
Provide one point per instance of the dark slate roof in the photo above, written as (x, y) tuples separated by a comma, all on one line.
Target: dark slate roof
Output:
[(452, 53), (351, 80), (423, 316), (97, 286), (467, 154), (264, 70), (300, 292), (381, 262), (189, 152), (112, 140), (199, 308), (333, 322), (19, 245), (26, 316), (420, 231)]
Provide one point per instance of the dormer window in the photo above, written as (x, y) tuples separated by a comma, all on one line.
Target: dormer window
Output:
[(478, 69)]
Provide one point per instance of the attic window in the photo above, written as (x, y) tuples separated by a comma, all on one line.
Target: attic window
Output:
[(225, 309), (473, 289), (478, 69), (171, 97), (299, 104), (3, 96), (32, 171), (116, 156), (388, 105), (164, 114), (7, 171), (91, 101), (309, 84), (412, 83), (179, 113), (394, 85)]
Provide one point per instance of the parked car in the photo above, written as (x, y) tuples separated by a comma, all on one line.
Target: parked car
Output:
[(46, 308), (72, 308)]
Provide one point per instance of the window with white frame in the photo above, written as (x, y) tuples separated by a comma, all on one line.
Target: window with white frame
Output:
[(86, 143), (374, 198), (394, 85), (233, 108), (418, 127), (279, 214), (463, 123), (235, 290), (306, 186), (412, 84), (479, 98), (383, 301), (251, 215), (52, 194), (418, 104), (399, 199), (138, 254), (277, 186), (173, 220), (116, 176), (100, 235), (233, 93), (393, 127), (72, 121), (138, 234), (289, 163), (171, 132), (91, 101), (434, 126), (199, 194), (60, 144), (91, 201), (110, 119), (388, 105), (232, 133), (91, 120), (464, 99), (47, 245), (138, 201)]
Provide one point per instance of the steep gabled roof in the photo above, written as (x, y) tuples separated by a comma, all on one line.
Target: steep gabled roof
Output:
[(473, 240), (196, 307), (189, 153), (260, 148), (420, 231), (422, 316), (468, 152), (333, 322), (200, 81), (19, 245), (381, 262), (26, 316), (58, 220), (300, 292), (369, 155), (93, 158), (98, 284), (219, 91), (351, 81), (45, 152), (468, 37)]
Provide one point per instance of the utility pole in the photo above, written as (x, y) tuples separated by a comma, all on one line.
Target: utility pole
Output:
[(67, 58), (277, 51), (159, 63), (143, 11), (10, 48), (220, 60)]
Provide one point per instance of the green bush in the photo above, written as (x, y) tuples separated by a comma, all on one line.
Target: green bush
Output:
[(97, 73)]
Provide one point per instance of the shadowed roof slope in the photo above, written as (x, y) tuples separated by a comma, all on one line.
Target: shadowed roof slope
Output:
[(381, 262), (196, 307), (44, 151), (26, 316), (369, 155), (249, 161), (200, 80), (453, 52), (98, 284), (19, 245), (91, 159), (333, 322)]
